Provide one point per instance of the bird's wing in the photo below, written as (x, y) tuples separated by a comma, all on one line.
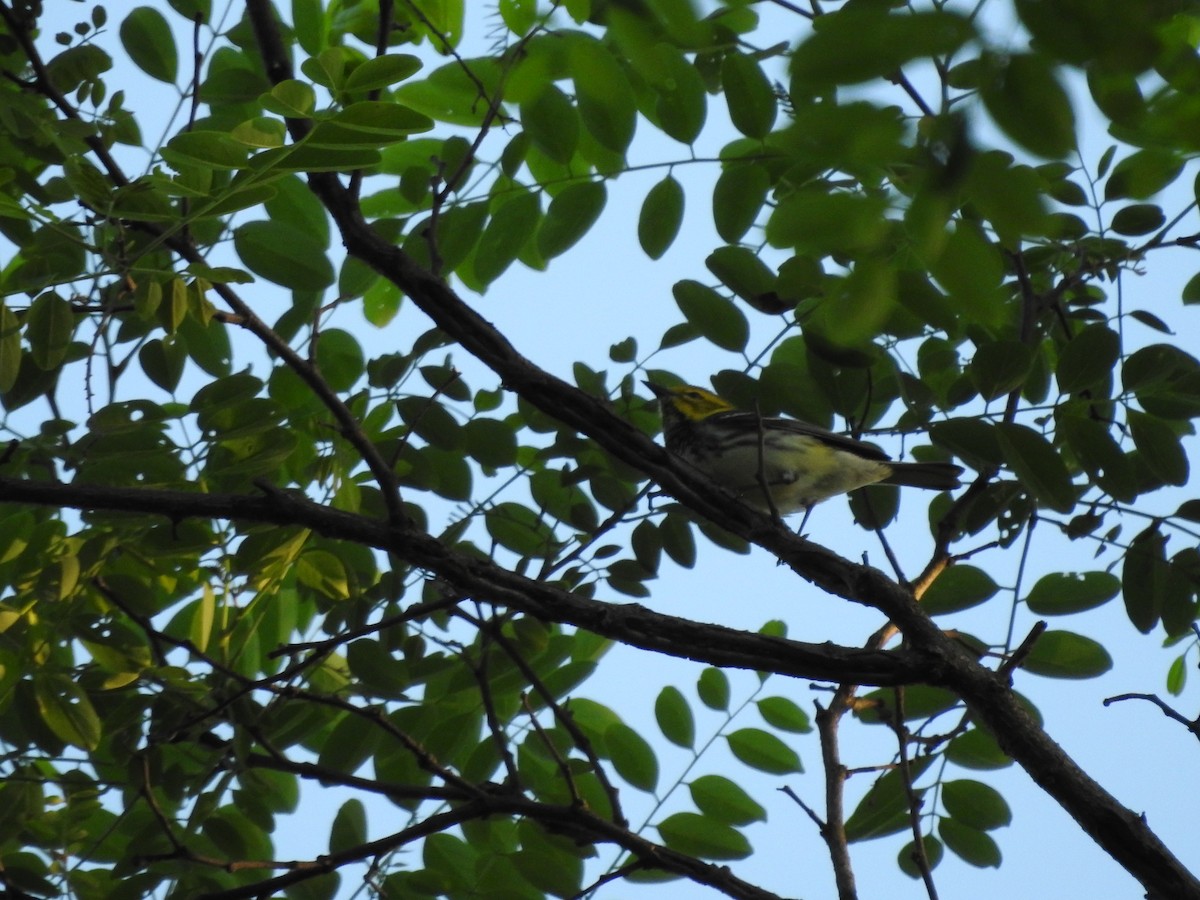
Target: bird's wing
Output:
[(743, 419)]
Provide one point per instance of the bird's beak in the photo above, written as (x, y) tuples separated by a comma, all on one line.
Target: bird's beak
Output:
[(657, 389)]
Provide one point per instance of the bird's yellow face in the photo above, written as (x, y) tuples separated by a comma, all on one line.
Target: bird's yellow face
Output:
[(692, 403)]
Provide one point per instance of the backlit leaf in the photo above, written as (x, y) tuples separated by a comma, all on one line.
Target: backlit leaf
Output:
[(959, 587), (749, 95), (632, 756), (284, 254), (703, 836), (1061, 593), (969, 844), (148, 40), (67, 711), (725, 801), (1063, 654), (674, 717), (660, 217), (764, 751), (716, 317), (570, 214), (1038, 467)]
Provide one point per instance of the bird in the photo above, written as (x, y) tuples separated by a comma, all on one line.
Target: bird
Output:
[(780, 465)]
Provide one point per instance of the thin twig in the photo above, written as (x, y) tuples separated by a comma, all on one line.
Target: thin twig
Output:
[(919, 856), (1192, 725)]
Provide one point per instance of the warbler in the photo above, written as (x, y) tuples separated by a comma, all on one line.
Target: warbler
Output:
[(794, 463)]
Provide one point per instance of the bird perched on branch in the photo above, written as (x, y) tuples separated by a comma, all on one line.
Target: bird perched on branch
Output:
[(780, 465)]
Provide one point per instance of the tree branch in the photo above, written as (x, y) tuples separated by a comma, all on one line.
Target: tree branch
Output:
[(628, 623)]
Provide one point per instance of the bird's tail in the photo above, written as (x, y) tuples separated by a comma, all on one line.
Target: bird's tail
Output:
[(938, 476)]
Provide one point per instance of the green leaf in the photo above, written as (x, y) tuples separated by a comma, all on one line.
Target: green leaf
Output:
[(520, 529), (350, 743), (724, 800), (491, 442), (661, 216), (304, 158), (1144, 578), (76, 65), (883, 809), (569, 216), (519, 15), (552, 123), (969, 844), (1115, 36), (235, 835), (1159, 447), (703, 836), (1138, 219), (148, 40), (339, 356), (632, 756), (743, 272), (713, 688), (1062, 593), (678, 540), (975, 804), (549, 862), (716, 317), (1089, 358), (1166, 380), (1191, 291), (606, 101), (1064, 654), (971, 268), (674, 717), (366, 125), (820, 222), (309, 22), (459, 229), (959, 587), (1142, 174), (1177, 675), (291, 98), (349, 827), (681, 104), (324, 573), (210, 149), (382, 71), (285, 254), (861, 42), (1025, 98), (67, 711), (906, 859), (921, 701), (977, 749), (784, 714), (751, 98), (1037, 466), (763, 751), (738, 197), (450, 858), (10, 348), (1183, 583), (509, 228), (49, 326), (450, 93), (163, 362), (1099, 454), (260, 133), (375, 667), (1000, 367)]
